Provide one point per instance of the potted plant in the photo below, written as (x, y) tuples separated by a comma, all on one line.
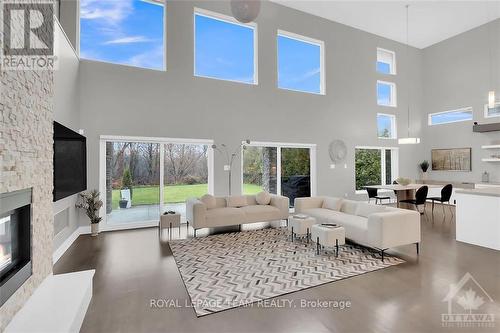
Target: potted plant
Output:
[(91, 203), (424, 166), (123, 203)]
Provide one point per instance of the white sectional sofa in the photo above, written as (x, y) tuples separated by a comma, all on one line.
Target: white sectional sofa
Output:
[(224, 213), (375, 226)]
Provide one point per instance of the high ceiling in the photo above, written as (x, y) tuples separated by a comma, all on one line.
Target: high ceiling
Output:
[(429, 21)]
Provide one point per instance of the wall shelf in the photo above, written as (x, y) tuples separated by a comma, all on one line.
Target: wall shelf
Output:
[(491, 160), (481, 128), (491, 147)]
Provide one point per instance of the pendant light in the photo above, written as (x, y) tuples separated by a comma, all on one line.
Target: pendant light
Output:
[(245, 11), (408, 140)]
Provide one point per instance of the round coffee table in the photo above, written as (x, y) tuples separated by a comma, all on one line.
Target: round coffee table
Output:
[(328, 235), (301, 226)]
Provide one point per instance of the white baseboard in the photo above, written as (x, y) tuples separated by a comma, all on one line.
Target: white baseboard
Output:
[(58, 253)]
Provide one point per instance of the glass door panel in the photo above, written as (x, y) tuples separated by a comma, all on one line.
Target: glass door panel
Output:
[(259, 169), (185, 175), (132, 182), (295, 173)]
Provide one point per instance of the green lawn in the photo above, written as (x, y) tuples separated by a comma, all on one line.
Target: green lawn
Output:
[(149, 195)]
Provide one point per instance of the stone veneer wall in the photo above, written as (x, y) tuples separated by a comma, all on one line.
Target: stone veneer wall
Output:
[(26, 115)]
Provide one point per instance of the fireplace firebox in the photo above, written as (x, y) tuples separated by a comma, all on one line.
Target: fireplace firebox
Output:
[(15, 241)]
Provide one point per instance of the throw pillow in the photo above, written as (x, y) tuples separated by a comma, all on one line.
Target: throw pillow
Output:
[(208, 200), (263, 198), (349, 206), (364, 209), (236, 201), (332, 203)]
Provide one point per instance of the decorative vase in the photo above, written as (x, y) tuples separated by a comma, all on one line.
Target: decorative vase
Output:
[(94, 229), (424, 175), (123, 203)]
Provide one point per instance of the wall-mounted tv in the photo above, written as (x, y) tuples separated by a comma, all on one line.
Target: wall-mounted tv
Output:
[(70, 162)]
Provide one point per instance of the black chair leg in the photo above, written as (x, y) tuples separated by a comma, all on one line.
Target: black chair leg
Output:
[(418, 248)]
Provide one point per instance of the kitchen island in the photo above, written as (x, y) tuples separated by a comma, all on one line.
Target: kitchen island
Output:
[(478, 216)]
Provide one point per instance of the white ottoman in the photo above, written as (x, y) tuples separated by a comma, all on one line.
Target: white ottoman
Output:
[(330, 236), (301, 226), (170, 221)]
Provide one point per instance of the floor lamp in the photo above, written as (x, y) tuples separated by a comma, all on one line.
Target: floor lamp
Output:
[(229, 157)]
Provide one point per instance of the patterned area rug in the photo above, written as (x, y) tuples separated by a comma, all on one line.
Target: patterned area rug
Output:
[(234, 269)]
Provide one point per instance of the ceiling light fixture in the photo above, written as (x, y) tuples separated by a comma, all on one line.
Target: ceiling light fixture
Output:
[(245, 11), (408, 140)]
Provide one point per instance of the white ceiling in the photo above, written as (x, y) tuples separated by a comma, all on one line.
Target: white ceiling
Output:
[(429, 21)]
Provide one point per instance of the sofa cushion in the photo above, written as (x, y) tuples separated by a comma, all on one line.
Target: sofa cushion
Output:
[(263, 198), (259, 213), (236, 201), (209, 201), (365, 209), (323, 215), (332, 203), (224, 216), (349, 206), (356, 228)]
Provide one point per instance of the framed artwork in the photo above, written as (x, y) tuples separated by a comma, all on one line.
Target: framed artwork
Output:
[(452, 159)]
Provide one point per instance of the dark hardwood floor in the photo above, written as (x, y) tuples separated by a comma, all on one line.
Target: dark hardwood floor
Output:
[(133, 267)]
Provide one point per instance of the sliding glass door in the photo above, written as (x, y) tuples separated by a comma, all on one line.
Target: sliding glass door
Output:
[(143, 178), (285, 169), (185, 175), (132, 182)]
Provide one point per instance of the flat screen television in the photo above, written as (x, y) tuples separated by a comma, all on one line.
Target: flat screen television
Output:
[(70, 162)]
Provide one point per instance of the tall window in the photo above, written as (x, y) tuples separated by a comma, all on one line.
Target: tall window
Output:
[(492, 112), (375, 166), (386, 93), (386, 61), (300, 63), (452, 116), (386, 126), (123, 32), (224, 48)]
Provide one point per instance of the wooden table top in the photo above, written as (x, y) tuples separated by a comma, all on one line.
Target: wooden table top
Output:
[(397, 187)]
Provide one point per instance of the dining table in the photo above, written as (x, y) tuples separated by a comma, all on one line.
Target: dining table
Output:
[(403, 192)]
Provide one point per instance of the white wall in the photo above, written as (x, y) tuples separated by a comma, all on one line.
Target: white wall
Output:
[(121, 100), (456, 74), (66, 112)]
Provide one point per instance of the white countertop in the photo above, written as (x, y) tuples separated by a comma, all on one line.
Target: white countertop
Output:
[(488, 191)]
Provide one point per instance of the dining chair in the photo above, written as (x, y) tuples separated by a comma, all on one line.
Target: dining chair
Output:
[(446, 192), (420, 198), (373, 194)]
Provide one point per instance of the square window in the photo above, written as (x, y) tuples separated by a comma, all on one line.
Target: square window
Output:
[(386, 61), (123, 32), (452, 116), (386, 126), (386, 93), (300, 63), (224, 48), (375, 166)]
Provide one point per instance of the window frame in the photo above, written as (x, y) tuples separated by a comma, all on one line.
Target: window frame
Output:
[(308, 40), (231, 20), (468, 108), (393, 95), (486, 109), (278, 145), (162, 3), (394, 127), (394, 164), (392, 65)]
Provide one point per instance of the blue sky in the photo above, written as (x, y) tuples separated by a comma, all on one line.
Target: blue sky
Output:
[(442, 118), (126, 32), (298, 65), (224, 50), (383, 123), (383, 94)]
